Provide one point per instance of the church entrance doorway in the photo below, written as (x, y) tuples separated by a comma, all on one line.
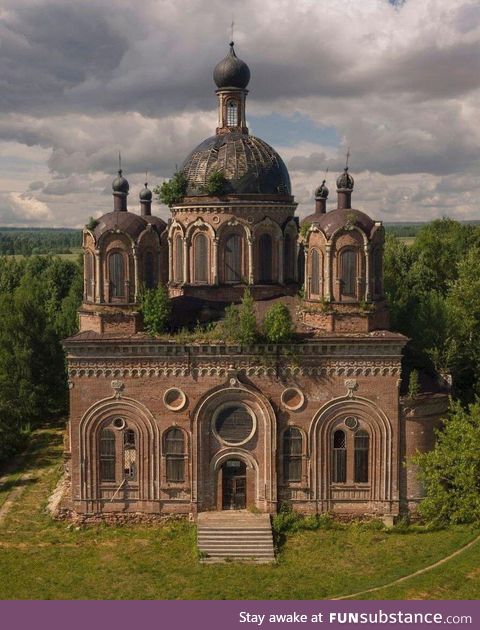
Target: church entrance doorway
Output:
[(234, 485)]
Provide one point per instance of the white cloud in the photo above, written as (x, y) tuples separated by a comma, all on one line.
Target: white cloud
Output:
[(400, 85)]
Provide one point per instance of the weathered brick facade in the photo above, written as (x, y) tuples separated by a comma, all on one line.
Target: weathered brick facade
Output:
[(163, 428)]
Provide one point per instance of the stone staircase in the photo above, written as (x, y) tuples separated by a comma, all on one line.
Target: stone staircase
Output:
[(234, 535)]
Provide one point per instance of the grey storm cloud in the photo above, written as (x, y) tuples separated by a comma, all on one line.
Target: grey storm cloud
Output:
[(59, 57), (398, 81)]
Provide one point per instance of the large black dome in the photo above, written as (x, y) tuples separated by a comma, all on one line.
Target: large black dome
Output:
[(249, 165)]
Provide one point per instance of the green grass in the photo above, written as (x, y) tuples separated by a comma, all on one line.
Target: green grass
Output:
[(44, 559)]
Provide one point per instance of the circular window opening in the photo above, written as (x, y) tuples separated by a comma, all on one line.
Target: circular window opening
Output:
[(174, 399), (119, 423), (234, 425), (351, 423), (292, 398)]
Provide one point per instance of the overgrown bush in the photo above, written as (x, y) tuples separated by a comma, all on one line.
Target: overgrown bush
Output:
[(240, 323), (156, 307), (277, 324), (451, 471), (215, 184), (173, 190), (413, 384)]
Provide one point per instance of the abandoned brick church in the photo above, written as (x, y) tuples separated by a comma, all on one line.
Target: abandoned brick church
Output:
[(160, 427)]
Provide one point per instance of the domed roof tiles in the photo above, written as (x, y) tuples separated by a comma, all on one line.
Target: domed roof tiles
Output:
[(346, 218), (249, 164)]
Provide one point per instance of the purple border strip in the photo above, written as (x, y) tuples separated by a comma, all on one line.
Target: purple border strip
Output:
[(237, 615)]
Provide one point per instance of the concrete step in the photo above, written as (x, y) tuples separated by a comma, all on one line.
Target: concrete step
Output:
[(224, 536)]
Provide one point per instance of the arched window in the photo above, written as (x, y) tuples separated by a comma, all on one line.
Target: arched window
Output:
[(200, 273), (107, 455), (233, 258), (149, 270), (129, 455), (116, 275), (265, 258), (292, 455), (362, 440), (89, 276), (178, 269), (315, 273), (377, 271), (175, 455), (232, 113), (289, 258), (339, 459), (348, 272), (301, 265)]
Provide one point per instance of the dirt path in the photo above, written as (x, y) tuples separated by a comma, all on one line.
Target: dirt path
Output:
[(19, 486), (412, 575)]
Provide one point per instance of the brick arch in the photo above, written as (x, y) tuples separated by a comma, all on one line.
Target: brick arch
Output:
[(381, 434), (253, 472), (206, 448), (357, 242), (89, 427)]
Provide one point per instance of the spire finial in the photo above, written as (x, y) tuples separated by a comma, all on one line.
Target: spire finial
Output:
[(347, 157), (120, 162), (232, 28), (146, 178)]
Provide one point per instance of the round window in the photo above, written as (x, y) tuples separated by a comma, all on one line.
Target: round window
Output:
[(119, 423), (292, 398), (174, 399), (351, 422), (234, 424)]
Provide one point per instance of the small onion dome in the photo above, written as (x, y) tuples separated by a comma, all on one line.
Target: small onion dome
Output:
[(345, 181), (146, 193), (322, 191), (231, 71), (120, 184)]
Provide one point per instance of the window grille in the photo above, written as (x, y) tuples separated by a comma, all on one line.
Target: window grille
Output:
[(116, 272), (339, 460), (107, 455), (234, 424), (178, 258), (292, 455), (377, 271), (348, 271), (265, 258), (201, 258), (175, 455), (129, 455), (233, 258), (232, 114), (362, 440), (149, 271), (89, 275), (315, 271)]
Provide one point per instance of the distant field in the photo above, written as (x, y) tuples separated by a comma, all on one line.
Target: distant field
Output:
[(72, 256), (44, 559), (408, 240)]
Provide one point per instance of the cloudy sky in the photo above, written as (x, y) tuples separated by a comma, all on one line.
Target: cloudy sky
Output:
[(397, 82)]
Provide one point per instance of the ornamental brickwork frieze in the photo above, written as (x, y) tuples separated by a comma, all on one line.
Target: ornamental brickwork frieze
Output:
[(326, 368)]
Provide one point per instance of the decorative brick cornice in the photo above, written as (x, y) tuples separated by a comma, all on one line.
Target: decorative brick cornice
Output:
[(99, 369)]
